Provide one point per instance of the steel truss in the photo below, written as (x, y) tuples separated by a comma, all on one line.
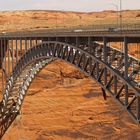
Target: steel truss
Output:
[(115, 71)]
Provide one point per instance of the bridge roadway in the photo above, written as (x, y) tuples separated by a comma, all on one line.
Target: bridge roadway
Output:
[(24, 54), (73, 33)]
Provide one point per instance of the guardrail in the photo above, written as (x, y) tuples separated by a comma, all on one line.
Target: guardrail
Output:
[(104, 28)]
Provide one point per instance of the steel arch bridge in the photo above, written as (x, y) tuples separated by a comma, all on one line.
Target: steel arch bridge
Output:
[(24, 55)]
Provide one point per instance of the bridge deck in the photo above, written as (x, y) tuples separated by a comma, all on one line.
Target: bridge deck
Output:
[(69, 33)]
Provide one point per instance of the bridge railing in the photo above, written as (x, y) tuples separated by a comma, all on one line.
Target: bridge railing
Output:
[(127, 28)]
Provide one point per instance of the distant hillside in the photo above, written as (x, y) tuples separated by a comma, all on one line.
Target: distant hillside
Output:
[(39, 19)]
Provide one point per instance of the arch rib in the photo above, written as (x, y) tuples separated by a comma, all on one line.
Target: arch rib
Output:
[(93, 65)]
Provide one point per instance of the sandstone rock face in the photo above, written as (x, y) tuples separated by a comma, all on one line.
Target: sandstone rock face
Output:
[(39, 19), (64, 104)]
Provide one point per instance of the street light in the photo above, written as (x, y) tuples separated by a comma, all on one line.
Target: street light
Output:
[(121, 15), (63, 23), (56, 18), (117, 10)]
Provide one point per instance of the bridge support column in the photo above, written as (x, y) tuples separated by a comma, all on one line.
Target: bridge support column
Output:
[(3, 49), (16, 51), (1, 52), (56, 39), (26, 44), (89, 45), (49, 39), (8, 60), (31, 43), (105, 59), (138, 108), (77, 42), (66, 40), (21, 46), (126, 68), (12, 53)]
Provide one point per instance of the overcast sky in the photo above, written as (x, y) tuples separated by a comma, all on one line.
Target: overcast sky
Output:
[(69, 5)]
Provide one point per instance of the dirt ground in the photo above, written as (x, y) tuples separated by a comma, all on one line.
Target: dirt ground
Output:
[(64, 104)]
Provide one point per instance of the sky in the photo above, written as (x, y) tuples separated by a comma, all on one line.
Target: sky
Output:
[(67, 5)]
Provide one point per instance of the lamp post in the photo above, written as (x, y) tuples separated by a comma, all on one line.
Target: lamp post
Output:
[(56, 19), (63, 12), (121, 15), (117, 10)]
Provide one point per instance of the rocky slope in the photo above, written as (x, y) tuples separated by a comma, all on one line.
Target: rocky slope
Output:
[(31, 20), (64, 104)]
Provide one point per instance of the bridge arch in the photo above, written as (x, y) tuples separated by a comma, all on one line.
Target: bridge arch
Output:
[(109, 78)]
